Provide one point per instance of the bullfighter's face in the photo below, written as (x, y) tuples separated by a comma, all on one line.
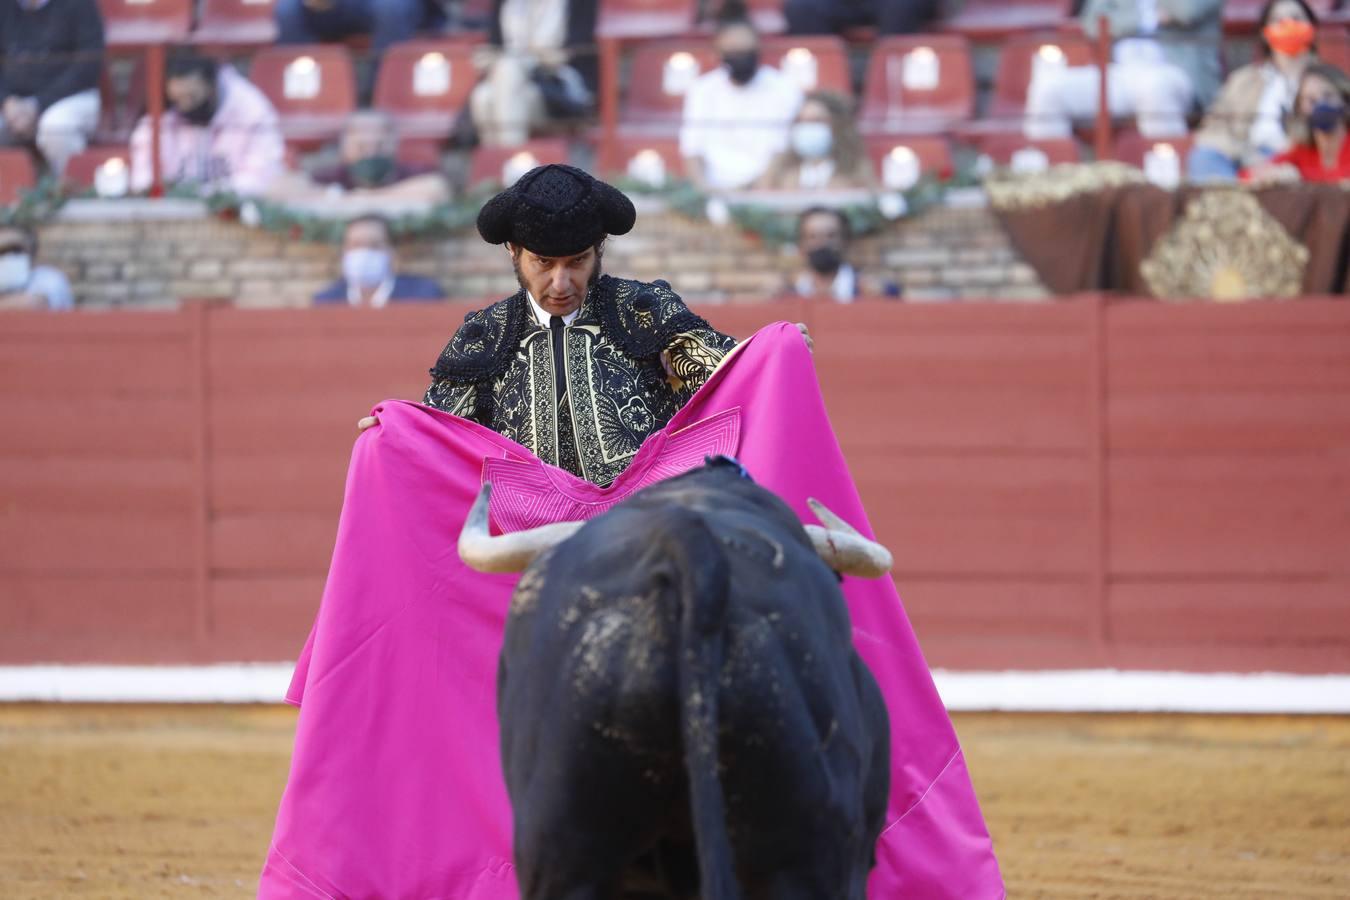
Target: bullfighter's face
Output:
[(557, 283)]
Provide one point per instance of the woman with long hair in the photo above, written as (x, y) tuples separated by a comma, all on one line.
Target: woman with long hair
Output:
[(1317, 130), (824, 149), (1246, 124)]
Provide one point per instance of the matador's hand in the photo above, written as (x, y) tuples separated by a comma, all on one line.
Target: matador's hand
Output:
[(806, 336), (368, 421)]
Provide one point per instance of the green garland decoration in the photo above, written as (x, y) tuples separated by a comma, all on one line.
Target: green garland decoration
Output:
[(771, 225)]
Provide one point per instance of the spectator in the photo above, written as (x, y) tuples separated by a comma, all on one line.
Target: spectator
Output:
[(824, 272), (1317, 130), (824, 150), (367, 167), (836, 16), (736, 117), (1245, 126), (24, 285), (386, 21), (368, 269), (52, 56), (220, 131), (539, 66), (1165, 64)]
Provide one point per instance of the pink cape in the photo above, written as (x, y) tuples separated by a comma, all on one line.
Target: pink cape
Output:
[(395, 787)]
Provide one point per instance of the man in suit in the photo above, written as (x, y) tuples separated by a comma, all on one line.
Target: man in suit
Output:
[(1164, 65), (368, 269)]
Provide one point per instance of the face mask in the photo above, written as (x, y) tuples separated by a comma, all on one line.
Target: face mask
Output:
[(365, 267), (825, 260), (15, 270), (1326, 116), (1289, 37), (372, 171), (742, 66), (202, 113), (812, 140)]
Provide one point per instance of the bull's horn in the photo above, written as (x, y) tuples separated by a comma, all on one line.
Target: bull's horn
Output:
[(844, 549), (513, 552)]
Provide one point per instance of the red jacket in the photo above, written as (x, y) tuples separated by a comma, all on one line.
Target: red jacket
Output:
[(1308, 161)]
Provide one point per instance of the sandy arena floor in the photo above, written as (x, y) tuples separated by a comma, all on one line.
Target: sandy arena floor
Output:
[(139, 802)]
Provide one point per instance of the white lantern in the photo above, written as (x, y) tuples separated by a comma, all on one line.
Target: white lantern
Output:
[(900, 170), (801, 67), (516, 166), (431, 75), (112, 178), (302, 79), (921, 71), (648, 167), (680, 71), (1049, 57), (1162, 166), (1030, 159)]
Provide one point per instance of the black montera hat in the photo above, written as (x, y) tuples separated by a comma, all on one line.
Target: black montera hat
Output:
[(556, 210)]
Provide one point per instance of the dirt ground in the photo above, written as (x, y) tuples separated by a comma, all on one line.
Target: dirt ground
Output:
[(123, 802)]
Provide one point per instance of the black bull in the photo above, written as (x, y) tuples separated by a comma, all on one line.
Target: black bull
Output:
[(681, 704)]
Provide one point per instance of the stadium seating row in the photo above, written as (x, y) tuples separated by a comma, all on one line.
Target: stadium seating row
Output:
[(914, 85), (249, 23)]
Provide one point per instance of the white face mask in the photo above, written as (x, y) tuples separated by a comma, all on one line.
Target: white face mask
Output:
[(365, 267), (812, 140), (15, 270)]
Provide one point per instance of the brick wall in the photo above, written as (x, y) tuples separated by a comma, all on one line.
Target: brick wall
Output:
[(148, 253)]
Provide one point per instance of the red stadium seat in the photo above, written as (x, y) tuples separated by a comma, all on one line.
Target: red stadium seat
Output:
[(815, 63), (312, 87), (1015, 66), (83, 166), (767, 16), (1333, 45), (629, 147), (645, 18), (16, 174), (491, 163), (236, 23), (993, 20), (1002, 147), (932, 154), (138, 22), (918, 85), (119, 111), (1242, 16), (661, 73), (1131, 147), (423, 84)]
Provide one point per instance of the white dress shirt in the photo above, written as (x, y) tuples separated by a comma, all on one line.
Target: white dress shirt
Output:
[(378, 300), (544, 315), (736, 130)]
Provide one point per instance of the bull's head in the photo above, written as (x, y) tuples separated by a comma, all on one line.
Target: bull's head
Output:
[(838, 543)]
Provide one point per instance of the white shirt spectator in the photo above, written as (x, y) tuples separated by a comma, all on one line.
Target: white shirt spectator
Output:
[(735, 131)]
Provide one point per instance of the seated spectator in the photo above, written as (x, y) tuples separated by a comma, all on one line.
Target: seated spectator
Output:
[(539, 66), (824, 272), (368, 269), (837, 16), (824, 150), (1165, 64), (386, 21), (1317, 131), (736, 116), (367, 166), (1245, 126), (24, 285), (51, 56), (219, 131)]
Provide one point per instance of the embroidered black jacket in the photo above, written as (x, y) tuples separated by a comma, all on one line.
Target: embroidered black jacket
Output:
[(498, 370)]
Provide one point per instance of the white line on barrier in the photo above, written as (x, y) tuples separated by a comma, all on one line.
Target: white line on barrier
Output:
[(1088, 690)]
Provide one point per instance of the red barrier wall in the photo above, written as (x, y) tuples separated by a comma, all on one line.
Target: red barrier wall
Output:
[(1072, 484)]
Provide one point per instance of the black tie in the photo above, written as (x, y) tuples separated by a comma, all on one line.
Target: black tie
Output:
[(555, 325)]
